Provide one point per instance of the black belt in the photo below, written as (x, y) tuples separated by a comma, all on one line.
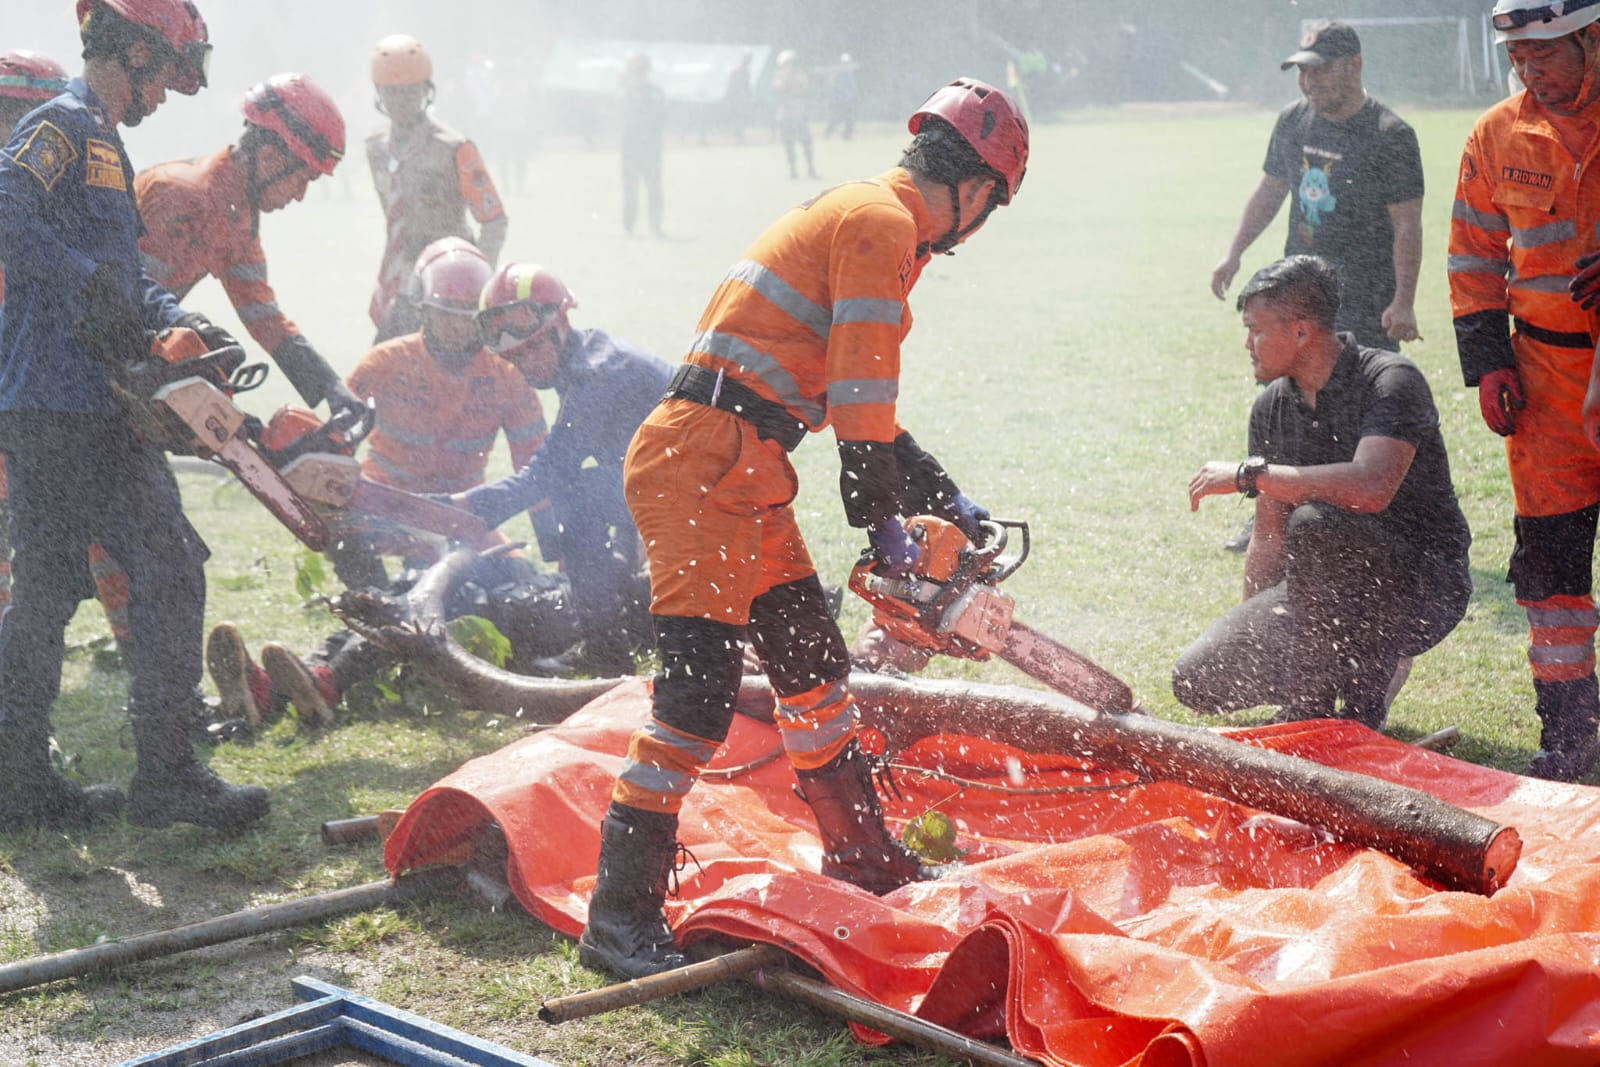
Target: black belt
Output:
[(772, 421), (1554, 337)]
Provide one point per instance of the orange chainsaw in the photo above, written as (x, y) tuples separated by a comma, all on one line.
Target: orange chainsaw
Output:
[(180, 400), (952, 603)]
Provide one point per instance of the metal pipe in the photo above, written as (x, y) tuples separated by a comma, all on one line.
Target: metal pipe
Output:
[(349, 831), (77, 962), (886, 1020), (642, 990)]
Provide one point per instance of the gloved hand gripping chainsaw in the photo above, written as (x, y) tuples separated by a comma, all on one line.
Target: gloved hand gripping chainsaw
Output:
[(952, 603)]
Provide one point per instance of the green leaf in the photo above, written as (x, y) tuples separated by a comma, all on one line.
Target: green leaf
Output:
[(480, 637), (932, 836)]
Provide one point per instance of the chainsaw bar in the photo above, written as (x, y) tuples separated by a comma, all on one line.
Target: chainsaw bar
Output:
[(1071, 673)]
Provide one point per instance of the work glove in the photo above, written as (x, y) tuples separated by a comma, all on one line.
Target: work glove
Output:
[(213, 335), (894, 548), (109, 324), (1585, 285), (968, 515), (1500, 398), (341, 400)]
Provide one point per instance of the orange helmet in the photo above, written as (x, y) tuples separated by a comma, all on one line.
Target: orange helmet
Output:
[(400, 59), (451, 274), (303, 116), (989, 121), (30, 76), (519, 308), (177, 23)]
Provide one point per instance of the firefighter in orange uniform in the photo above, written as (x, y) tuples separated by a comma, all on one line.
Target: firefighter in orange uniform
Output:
[(804, 332), (1525, 211), (27, 79), (203, 217), (428, 177), (441, 399)]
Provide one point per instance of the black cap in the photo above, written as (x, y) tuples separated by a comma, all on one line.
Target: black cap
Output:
[(1322, 42)]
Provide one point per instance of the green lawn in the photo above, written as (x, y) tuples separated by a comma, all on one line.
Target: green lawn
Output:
[(1070, 367)]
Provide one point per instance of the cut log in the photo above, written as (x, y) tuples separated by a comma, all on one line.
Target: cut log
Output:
[(1455, 847)]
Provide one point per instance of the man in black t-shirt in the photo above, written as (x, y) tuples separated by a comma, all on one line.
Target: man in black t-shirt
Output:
[(1359, 559), (1356, 177)]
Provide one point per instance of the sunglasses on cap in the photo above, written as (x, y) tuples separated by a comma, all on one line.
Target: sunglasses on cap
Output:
[(1515, 20), (508, 326)]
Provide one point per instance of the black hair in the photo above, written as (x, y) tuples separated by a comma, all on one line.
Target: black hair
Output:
[(1305, 286), (107, 35), (940, 154)]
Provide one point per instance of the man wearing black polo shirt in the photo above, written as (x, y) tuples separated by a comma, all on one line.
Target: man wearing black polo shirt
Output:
[(1359, 559)]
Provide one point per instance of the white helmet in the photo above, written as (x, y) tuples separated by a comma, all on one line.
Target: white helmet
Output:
[(1541, 20)]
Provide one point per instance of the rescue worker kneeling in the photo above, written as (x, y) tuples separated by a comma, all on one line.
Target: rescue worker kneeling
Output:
[(804, 331)]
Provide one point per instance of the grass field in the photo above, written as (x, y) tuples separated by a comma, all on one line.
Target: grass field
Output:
[(1070, 367)]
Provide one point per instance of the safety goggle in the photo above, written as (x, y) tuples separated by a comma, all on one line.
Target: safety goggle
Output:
[(507, 326), (1515, 20)]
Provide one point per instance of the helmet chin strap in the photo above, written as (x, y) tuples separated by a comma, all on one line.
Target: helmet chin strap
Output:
[(945, 245), (254, 183)]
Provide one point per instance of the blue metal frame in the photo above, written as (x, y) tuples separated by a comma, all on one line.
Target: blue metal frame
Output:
[(334, 1018)]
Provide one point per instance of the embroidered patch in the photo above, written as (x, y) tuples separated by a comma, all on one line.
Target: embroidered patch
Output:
[(103, 166), (1527, 177), (1469, 168), (47, 154)]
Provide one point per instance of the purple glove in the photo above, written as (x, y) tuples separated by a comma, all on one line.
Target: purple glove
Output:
[(968, 515), (894, 548), (1500, 398)]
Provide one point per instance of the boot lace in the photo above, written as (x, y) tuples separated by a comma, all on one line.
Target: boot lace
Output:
[(679, 861)]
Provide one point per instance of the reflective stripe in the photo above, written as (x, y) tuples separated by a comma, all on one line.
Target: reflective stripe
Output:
[(863, 391), (530, 433), (653, 778), (763, 366), (832, 694), (468, 446), (158, 271), (401, 477), (1561, 653), (868, 309), (789, 300), (1460, 264), (247, 272), (1543, 283), (254, 312), (656, 779), (1550, 617), (807, 736), (406, 437), (1548, 234), (1483, 220)]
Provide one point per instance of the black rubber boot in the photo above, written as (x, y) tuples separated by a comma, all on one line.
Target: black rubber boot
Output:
[(34, 795), (627, 933), (1570, 714), (856, 846), (169, 785)]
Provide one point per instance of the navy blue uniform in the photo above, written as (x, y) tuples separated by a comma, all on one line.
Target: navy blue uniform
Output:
[(77, 473), (606, 387)]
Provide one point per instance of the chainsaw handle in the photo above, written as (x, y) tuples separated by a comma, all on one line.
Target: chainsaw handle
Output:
[(994, 545)]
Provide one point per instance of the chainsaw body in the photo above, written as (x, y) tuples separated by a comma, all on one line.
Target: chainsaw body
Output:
[(951, 603)]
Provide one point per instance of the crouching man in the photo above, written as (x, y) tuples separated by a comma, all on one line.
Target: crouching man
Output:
[(1359, 559)]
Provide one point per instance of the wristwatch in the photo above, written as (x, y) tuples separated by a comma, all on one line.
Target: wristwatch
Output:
[(1249, 471)]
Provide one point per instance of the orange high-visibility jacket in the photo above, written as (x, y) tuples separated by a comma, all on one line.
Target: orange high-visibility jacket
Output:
[(1525, 210), (198, 222), (435, 426), (814, 313)]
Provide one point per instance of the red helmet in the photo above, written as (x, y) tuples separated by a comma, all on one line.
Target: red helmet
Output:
[(519, 308), (451, 274), (30, 76), (400, 59), (302, 115), (177, 22), (988, 120)]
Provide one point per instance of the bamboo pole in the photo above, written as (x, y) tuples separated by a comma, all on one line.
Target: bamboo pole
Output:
[(627, 994)]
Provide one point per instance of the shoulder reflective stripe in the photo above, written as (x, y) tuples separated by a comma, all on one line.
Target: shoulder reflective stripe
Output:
[(1543, 283), (788, 299), (158, 270), (1459, 264), (469, 446), (1548, 234), (247, 272), (863, 391), (257, 312), (868, 309), (1483, 220), (763, 366), (406, 437)]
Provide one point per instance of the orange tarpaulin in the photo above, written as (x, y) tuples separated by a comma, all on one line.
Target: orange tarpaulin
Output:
[(1146, 924)]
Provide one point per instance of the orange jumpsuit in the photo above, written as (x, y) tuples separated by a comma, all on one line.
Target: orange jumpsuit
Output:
[(428, 178), (1526, 208), (811, 319), (198, 222)]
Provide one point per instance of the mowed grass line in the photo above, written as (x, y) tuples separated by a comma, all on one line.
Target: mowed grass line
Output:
[(1069, 366)]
